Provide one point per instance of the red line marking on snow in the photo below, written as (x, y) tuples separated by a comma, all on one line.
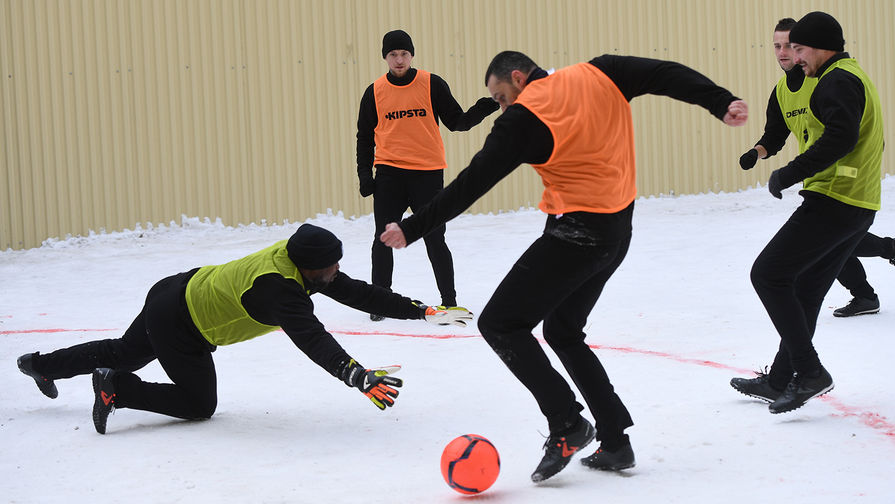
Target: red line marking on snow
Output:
[(400, 335), (670, 356), (29, 331), (872, 420)]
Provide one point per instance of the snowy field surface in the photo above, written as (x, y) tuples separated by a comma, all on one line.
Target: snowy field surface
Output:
[(674, 324)]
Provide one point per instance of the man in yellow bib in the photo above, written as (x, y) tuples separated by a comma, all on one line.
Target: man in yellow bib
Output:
[(397, 132), (188, 315), (787, 112), (839, 168), (575, 128)]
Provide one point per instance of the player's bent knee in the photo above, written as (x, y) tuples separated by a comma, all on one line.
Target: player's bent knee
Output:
[(204, 409)]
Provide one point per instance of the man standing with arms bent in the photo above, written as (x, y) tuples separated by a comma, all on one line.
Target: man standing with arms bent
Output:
[(397, 132), (840, 171), (575, 128)]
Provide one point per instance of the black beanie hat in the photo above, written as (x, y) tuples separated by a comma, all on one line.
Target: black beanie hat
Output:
[(818, 30), (313, 247), (396, 39)]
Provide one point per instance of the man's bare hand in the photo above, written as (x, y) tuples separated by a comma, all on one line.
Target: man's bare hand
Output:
[(737, 113), (393, 236)]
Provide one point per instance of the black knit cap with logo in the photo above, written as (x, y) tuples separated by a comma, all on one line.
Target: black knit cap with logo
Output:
[(818, 30), (313, 247), (396, 39)]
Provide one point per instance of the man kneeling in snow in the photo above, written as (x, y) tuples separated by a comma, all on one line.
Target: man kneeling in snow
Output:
[(187, 315)]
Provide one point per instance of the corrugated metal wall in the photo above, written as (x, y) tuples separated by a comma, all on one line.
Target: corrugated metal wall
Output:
[(119, 112)]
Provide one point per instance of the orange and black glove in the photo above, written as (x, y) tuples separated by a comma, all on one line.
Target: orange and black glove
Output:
[(376, 384)]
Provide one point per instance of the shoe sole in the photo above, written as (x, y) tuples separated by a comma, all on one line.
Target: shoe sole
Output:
[(865, 312), (822, 392), (747, 394), (616, 467), (765, 399)]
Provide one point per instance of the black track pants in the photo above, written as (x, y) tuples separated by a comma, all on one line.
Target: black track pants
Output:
[(557, 282), (853, 277), (161, 331), (397, 190), (796, 269)]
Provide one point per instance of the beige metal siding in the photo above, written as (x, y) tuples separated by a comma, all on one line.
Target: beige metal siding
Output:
[(124, 112)]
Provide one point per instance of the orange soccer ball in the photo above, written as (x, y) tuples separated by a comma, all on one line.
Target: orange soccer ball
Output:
[(470, 464)]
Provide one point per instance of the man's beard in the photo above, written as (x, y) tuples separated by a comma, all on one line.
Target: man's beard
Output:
[(316, 285)]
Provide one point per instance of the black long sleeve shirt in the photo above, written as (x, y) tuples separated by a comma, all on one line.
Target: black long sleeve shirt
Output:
[(278, 301), (838, 102), (518, 136), (444, 106)]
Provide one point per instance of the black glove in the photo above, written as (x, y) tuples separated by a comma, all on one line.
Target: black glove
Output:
[(376, 384), (367, 185), (775, 186), (747, 160), (487, 104)]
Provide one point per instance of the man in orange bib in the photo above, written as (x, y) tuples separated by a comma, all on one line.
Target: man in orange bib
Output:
[(574, 127), (397, 132)]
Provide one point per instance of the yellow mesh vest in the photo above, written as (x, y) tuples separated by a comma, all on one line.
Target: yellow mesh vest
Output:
[(794, 106), (853, 179), (214, 294)]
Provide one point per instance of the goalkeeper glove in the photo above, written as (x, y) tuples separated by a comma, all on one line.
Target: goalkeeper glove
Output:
[(376, 384), (446, 315)]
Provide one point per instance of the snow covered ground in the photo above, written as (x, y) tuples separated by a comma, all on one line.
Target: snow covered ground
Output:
[(676, 322)]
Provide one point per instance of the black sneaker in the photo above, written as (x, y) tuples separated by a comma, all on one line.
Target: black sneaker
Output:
[(858, 306), (800, 389), (559, 450), (376, 318), (104, 401), (44, 384), (758, 387), (603, 460)]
